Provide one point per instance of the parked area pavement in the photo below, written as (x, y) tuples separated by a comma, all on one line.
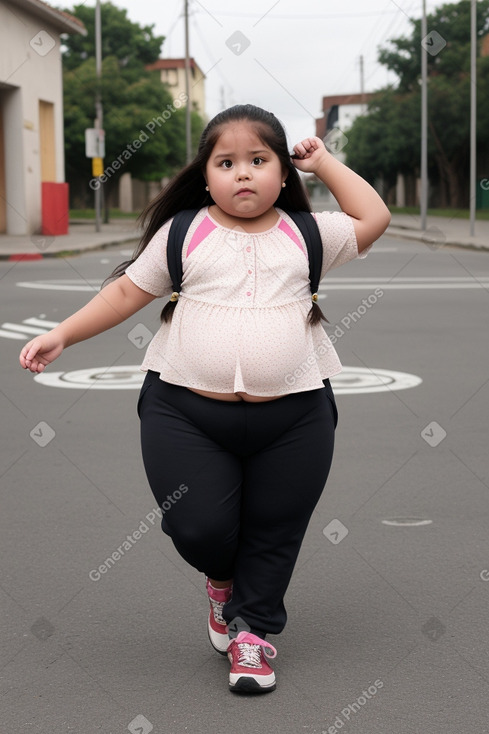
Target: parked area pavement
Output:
[(82, 236)]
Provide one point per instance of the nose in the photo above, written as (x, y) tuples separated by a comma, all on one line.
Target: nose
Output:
[(243, 172)]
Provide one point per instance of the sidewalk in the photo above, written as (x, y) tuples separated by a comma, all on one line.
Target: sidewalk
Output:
[(441, 231), (83, 237)]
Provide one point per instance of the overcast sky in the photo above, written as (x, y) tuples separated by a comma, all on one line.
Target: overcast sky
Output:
[(283, 55)]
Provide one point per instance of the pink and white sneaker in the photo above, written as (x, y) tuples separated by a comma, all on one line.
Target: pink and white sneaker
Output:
[(216, 625), (250, 671)]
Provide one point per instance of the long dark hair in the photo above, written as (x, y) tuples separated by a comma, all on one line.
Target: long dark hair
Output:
[(187, 189)]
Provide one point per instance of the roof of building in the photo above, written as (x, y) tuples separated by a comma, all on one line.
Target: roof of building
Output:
[(173, 64), (345, 99), (64, 22), (339, 100)]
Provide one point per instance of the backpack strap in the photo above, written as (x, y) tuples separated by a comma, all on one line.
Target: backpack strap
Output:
[(309, 229), (304, 221), (176, 236)]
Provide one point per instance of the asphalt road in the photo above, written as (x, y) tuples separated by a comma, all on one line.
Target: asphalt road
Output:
[(387, 630)]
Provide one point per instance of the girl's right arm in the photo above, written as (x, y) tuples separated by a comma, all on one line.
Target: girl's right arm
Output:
[(115, 303)]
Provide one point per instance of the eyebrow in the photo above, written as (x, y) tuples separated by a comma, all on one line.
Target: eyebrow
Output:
[(250, 152)]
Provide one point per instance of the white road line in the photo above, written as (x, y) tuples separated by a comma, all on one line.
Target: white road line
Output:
[(414, 279), (64, 285), (41, 322), (23, 329), (9, 330), (404, 286), (12, 335)]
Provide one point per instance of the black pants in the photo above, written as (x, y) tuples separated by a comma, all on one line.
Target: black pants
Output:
[(237, 483)]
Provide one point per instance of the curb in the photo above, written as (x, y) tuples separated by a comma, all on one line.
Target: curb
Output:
[(424, 238), (26, 256), (22, 256), (393, 231)]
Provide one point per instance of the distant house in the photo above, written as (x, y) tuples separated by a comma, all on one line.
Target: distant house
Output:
[(339, 113), (172, 73), (31, 108)]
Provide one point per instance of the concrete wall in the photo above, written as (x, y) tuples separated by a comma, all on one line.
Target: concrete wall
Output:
[(30, 71)]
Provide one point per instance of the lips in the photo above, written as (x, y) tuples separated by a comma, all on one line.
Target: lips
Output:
[(244, 192)]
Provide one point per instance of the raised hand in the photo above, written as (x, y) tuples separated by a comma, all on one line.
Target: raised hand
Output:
[(309, 154)]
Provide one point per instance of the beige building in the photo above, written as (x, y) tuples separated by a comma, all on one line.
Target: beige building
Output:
[(172, 73), (31, 108)]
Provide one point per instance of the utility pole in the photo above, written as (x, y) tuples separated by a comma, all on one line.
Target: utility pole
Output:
[(98, 105), (362, 85), (424, 124), (188, 133), (473, 113)]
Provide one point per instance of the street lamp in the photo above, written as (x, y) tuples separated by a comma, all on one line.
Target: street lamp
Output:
[(98, 104), (424, 123), (188, 135), (473, 113)]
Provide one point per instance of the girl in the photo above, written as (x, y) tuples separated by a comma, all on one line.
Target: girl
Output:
[(237, 412)]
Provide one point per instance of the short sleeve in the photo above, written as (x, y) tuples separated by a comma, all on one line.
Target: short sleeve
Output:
[(339, 240), (150, 270)]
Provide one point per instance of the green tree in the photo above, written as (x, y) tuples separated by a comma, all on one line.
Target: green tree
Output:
[(144, 126), (397, 119), (385, 141), (131, 44)]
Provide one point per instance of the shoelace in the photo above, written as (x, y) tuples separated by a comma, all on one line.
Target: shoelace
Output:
[(249, 655), (217, 610), (249, 647)]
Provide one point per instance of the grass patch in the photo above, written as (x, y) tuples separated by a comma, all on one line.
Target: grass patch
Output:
[(448, 213)]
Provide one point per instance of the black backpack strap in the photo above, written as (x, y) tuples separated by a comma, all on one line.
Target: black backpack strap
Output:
[(309, 229), (304, 221), (176, 237)]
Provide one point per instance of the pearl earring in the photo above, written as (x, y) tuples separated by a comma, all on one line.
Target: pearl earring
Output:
[(207, 188), (284, 184)]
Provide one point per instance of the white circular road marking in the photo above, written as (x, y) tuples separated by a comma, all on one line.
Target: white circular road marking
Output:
[(407, 522), (356, 380), (120, 377), (352, 381)]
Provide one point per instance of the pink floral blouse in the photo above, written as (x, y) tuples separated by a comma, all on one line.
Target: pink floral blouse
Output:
[(240, 323)]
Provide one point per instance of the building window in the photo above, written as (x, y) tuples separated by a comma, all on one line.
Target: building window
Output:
[(170, 77)]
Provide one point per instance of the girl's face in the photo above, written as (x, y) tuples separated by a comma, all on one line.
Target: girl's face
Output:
[(243, 174)]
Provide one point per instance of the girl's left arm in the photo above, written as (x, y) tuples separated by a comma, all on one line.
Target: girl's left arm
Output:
[(355, 196)]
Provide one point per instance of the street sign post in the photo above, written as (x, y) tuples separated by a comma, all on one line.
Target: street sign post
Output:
[(94, 143), (97, 167), (95, 149)]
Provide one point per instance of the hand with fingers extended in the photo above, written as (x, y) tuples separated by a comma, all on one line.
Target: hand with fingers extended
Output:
[(41, 351), (309, 154)]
